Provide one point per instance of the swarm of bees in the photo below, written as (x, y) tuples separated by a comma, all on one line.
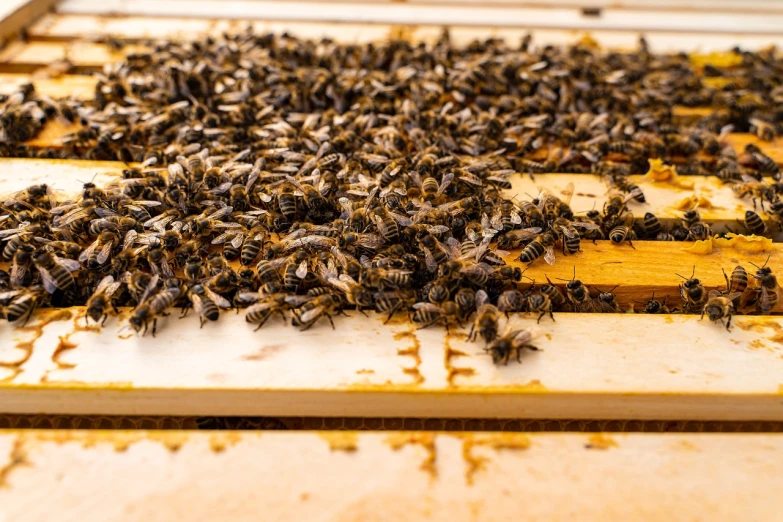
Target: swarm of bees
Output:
[(298, 179)]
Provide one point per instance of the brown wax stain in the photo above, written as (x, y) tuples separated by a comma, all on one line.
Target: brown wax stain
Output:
[(533, 385), (64, 345), (411, 351), (119, 440), (364, 371), (451, 370), (600, 441), (341, 440), (37, 329), (398, 440), (263, 352), (218, 443), (758, 326), (668, 319), (497, 441), (81, 326), (687, 445), (16, 458)]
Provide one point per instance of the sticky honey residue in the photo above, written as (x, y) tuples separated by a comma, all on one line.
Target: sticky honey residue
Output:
[(119, 440), (366, 371), (668, 319), (588, 41), (497, 441), (694, 201), (716, 59), (341, 440), (600, 441), (411, 351), (451, 370), (747, 244), (27, 346), (219, 442), (687, 445), (124, 337), (662, 173), (533, 386), (16, 458), (757, 344), (398, 440), (64, 345)]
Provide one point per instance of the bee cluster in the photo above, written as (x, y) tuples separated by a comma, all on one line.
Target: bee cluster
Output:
[(301, 178)]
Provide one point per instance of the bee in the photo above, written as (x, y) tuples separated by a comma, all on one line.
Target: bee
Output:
[(616, 203), (438, 290), (355, 294), (542, 245), (101, 299), (140, 284), (22, 260), (466, 302), (768, 290), (656, 307), (754, 224), (55, 272), (310, 312), (719, 307), (511, 344), (206, 303), (511, 301), (380, 279), (427, 314), (295, 270), (578, 295), (156, 258), (152, 308), (651, 225), (693, 294), (435, 253), (624, 232), (738, 282), (487, 317), (429, 186), (392, 301), (516, 238), (266, 305), (764, 163), (232, 240), (23, 302), (252, 245), (606, 302), (539, 302), (99, 251), (621, 183)]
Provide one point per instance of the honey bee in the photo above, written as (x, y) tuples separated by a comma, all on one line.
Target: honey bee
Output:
[(55, 272), (542, 245), (511, 301), (206, 303), (578, 295), (266, 305), (754, 224), (428, 314), (768, 289), (101, 300), (392, 301), (487, 317), (652, 306), (693, 294), (511, 344), (719, 307), (606, 302), (310, 312), (152, 308), (616, 203), (538, 302), (22, 259), (24, 301), (99, 251), (620, 233)]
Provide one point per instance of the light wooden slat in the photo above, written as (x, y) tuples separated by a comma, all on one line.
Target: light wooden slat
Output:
[(340, 476), (16, 15), (21, 57), (73, 26), (591, 366), (532, 17), (72, 85)]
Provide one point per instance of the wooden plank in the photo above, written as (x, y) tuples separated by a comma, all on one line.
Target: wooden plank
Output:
[(20, 57), (133, 28), (16, 15), (71, 85), (590, 366), (511, 16), (376, 476)]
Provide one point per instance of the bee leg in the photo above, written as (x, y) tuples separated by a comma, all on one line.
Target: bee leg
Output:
[(105, 316), (702, 316), (630, 243), (154, 327), (28, 315), (551, 315), (471, 337), (728, 323), (540, 316), (201, 322)]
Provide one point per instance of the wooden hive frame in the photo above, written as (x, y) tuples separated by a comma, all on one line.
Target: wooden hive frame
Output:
[(609, 366)]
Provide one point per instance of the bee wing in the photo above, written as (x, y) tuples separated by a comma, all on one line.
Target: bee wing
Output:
[(104, 254), (515, 217), (150, 287), (73, 216), (549, 256), (9, 294), (402, 220), (437, 229), (161, 220), (103, 284), (218, 299), (429, 261), (481, 298), (238, 240), (585, 225), (478, 268), (105, 213), (452, 247), (415, 178), (445, 182), (427, 307), (298, 300), (17, 273), (87, 252), (568, 192), (347, 207), (339, 283), (248, 297), (763, 302), (48, 281), (222, 238), (221, 213), (569, 232), (311, 314), (301, 270), (165, 268), (198, 304), (129, 239), (372, 241), (4, 234)]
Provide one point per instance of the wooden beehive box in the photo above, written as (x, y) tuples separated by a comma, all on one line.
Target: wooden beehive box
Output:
[(612, 372)]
